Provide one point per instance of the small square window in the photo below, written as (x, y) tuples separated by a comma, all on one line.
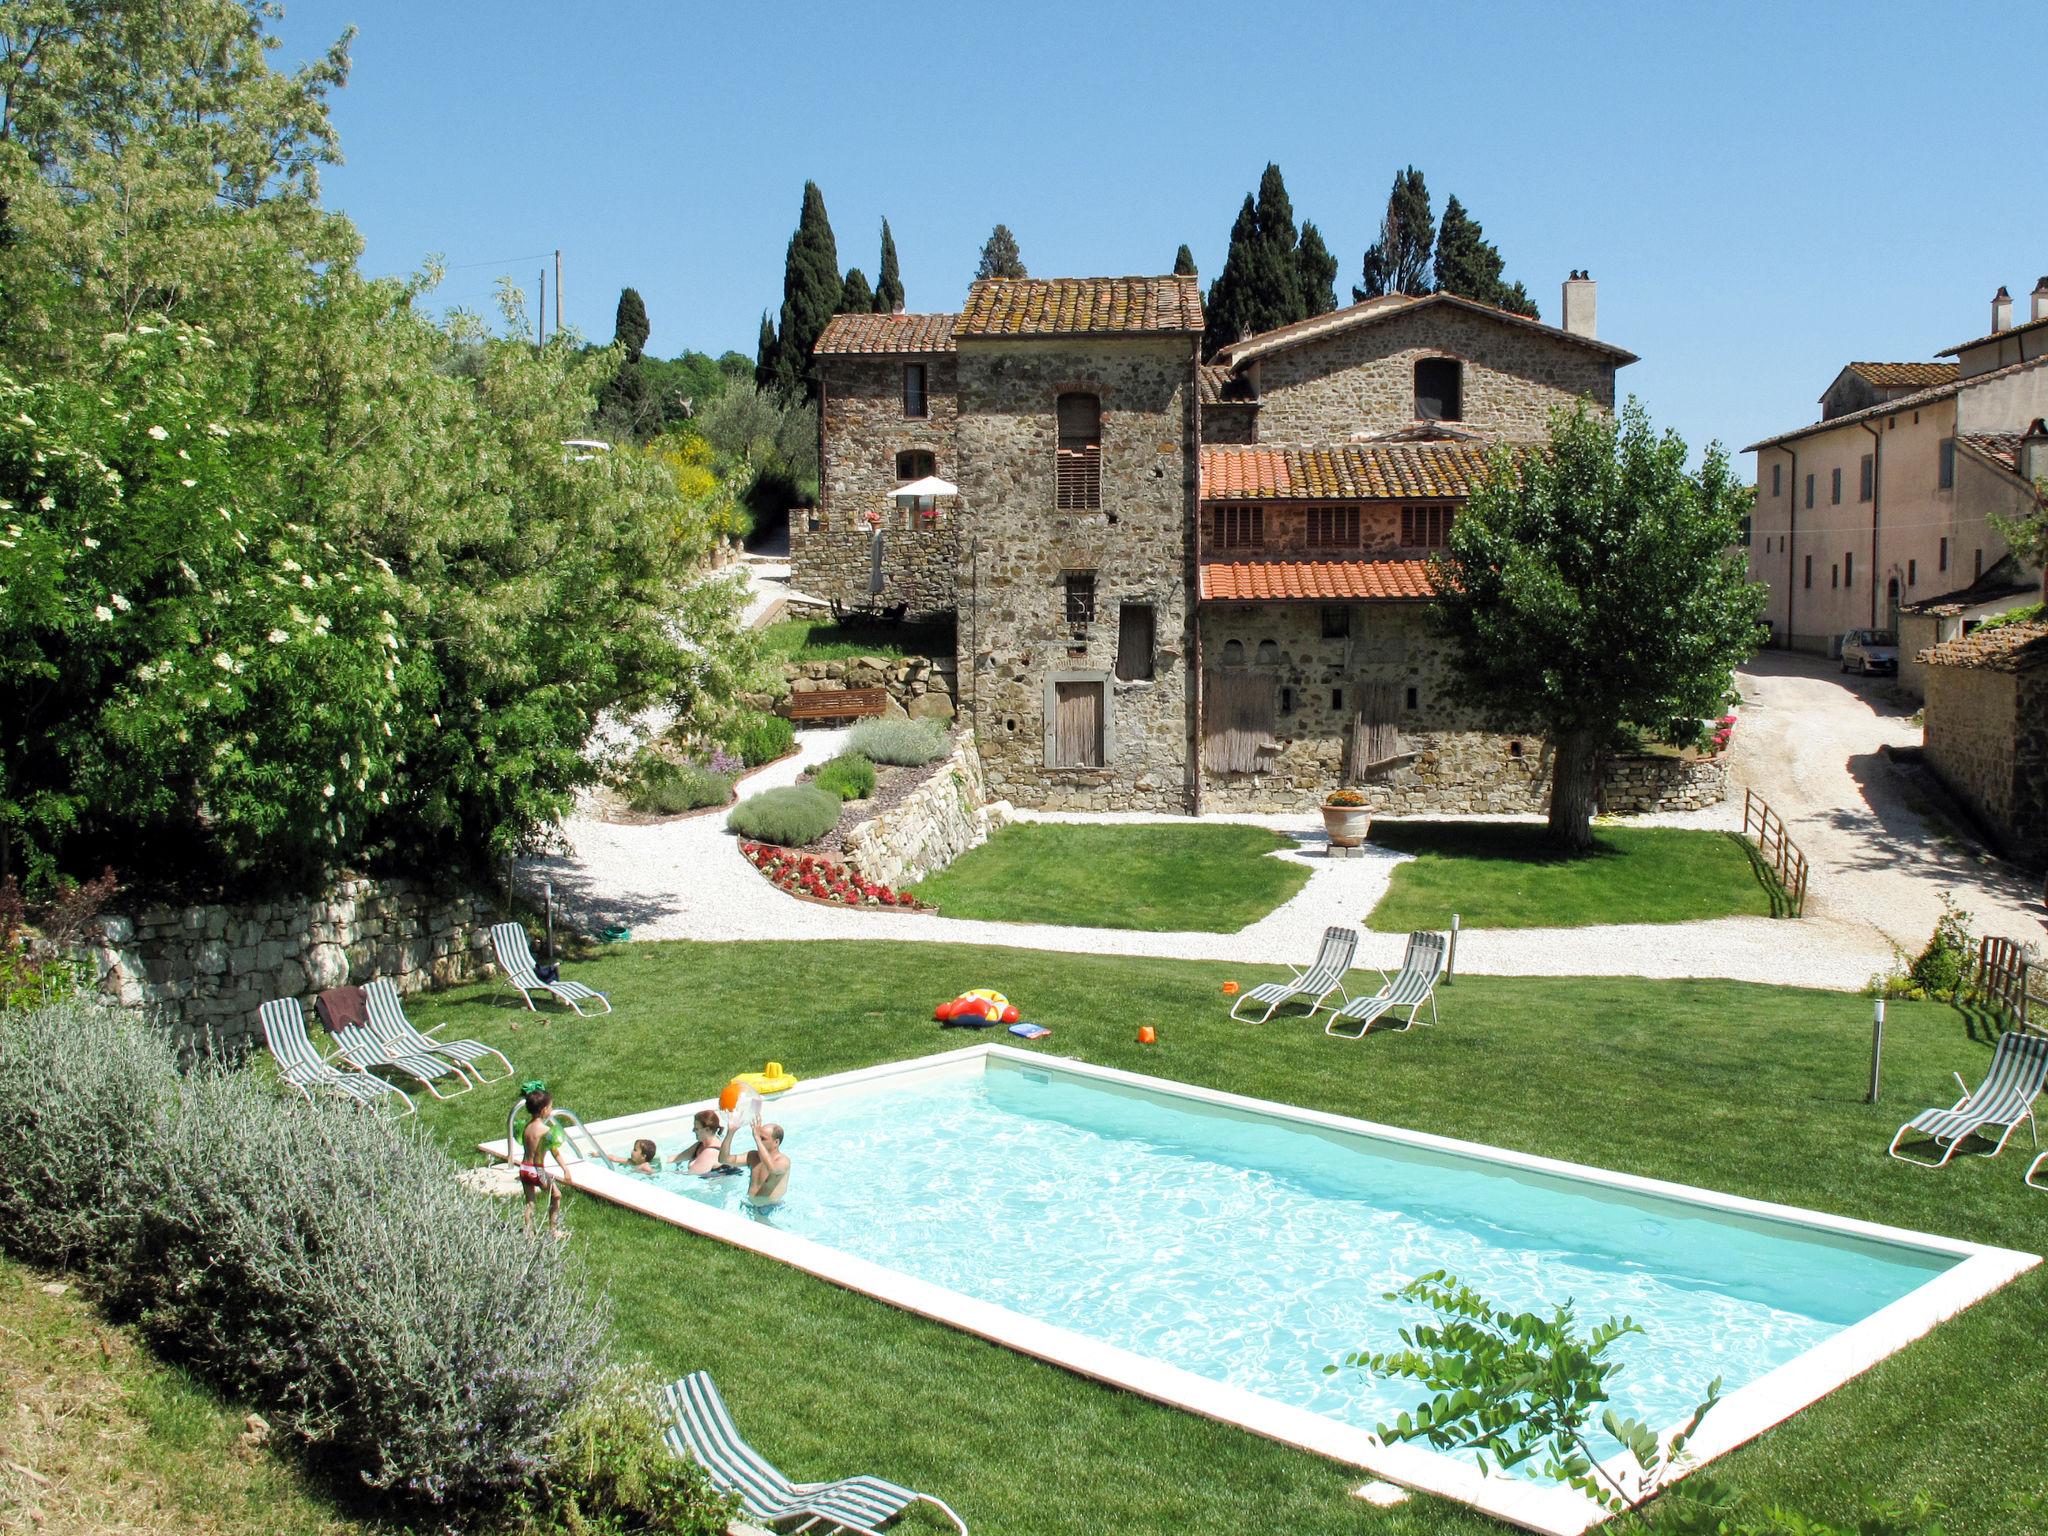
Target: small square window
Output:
[(1337, 700), (1438, 382), (1414, 697), (1333, 527), (1912, 572), (1425, 527), (1286, 701), (1080, 587), (1336, 622), (1241, 527)]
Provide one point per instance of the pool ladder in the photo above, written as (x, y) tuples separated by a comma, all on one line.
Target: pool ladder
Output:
[(572, 1127)]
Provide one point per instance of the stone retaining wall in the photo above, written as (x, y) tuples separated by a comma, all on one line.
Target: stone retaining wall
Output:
[(1637, 785), (207, 968), (937, 822), (919, 687)]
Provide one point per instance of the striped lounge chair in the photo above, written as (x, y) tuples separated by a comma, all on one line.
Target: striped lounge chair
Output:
[(390, 1026), (298, 1063), (1412, 986), (515, 959), (2034, 1171), (697, 1425), (1316, 983), (2005, 1098)]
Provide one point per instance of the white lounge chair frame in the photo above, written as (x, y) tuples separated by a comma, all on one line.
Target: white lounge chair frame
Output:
[(515, 959), (700, 1427), (1412, 986), (2035, 1167), (390, 1026), (301, 1065), (1317, 982), (2019, 1067), (364, 1051)]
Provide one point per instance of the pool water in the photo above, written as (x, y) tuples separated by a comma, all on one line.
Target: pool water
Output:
[(1255, 1251)]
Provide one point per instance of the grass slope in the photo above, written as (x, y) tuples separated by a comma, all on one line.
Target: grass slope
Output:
[(98, 1439), (1503, 875), (824, 640), (1162, 879), (1749, 1089)]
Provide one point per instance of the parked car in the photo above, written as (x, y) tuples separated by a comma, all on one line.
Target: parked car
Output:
[(1870, 650)]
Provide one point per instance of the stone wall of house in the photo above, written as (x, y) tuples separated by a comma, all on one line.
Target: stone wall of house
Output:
[(1362, 380), (206, 969), (832, 555), (1449, 762), (861, 431), (1230, 423), (1013, 626), (920, 687), (931, 827), (1987, 739)]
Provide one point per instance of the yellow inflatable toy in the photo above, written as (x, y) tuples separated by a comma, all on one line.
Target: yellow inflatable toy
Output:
[(771, 1079), (982, 1006)]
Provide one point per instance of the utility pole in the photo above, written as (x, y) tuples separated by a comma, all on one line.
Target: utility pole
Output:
[(558, 290)]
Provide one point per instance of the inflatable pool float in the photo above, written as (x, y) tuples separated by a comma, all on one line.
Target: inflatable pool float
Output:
[(980, 1007), (770, 1080)]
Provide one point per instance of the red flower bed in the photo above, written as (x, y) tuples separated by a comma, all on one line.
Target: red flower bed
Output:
[(821, 878)]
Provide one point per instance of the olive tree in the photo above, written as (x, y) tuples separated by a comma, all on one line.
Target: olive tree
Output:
[(1595, 583)]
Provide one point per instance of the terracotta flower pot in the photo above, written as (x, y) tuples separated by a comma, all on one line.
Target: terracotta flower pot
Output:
[(1347, 824)]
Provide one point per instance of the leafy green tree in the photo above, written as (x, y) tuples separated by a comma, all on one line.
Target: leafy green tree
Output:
[(855, 296), (1470, 265), (1398, 262), (629, 324), (1184, 263), (889, 286), (1593, 584), (1315, 273), (1000, 256), (810, 293)]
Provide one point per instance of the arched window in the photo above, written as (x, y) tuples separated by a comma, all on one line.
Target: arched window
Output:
[(1233, 653), (1269, 654), (1439, 391), (1079, 486)]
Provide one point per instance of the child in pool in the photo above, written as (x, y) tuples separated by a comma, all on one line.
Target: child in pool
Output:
[(646, 1159)]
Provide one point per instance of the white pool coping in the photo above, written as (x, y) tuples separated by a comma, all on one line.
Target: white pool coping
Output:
[(1739, 1417)]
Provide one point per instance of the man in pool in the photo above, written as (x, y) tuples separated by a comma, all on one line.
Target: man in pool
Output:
[(767, 1165)]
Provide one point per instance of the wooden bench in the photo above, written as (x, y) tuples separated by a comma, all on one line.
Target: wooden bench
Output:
[(836, 704)]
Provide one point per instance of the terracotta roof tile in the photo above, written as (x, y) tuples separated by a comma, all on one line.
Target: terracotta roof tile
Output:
[(1315, 580), (2011, 330), (2008, 648), (1217, 385), (2002, 446), (1371, 311), (1081, 306), (887, 333), (1905, 375), (1355, 472)]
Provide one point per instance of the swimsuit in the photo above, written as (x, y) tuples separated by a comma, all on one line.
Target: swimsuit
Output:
[(535, 1176)]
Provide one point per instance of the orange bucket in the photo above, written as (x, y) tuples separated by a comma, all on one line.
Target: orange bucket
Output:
[(1147, 1035)]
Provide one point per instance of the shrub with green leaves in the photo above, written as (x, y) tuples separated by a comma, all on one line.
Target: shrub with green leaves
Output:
[(904, 743), (758, 738), (661, 786), (850, 776), (792, 816), (318, 1261)]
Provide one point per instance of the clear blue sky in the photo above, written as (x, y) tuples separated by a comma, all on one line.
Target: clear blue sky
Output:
[(1764, 193)]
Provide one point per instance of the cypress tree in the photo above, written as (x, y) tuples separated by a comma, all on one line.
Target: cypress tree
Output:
[(889, 287), (629, 326), (1398, 262), (1315, 272), (855, 296), (1276, 280), (1515, 299), (1000, 256), (1184, 263), (1469, 264), (764, 354), (810, 293), (1226, 307)]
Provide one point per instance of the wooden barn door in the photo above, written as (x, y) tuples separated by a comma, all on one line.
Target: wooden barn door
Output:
[(1077, 725), (1237, 721), (1375, 736)]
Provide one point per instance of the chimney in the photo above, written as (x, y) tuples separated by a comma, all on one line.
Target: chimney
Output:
[(1578, 309), (2040, 300), (2033, 455), (2001, 311)]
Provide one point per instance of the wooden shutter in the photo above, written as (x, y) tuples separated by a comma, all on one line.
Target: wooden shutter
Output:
[(1080, 452), (1375, 737), (1134, 641), (1237, 722), (1077, 725)]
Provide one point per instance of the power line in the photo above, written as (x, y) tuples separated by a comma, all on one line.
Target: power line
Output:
[(503, 261)]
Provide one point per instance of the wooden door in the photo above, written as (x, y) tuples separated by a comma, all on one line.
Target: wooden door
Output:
[(1237, 721), (1375, 737), (1077, 725)]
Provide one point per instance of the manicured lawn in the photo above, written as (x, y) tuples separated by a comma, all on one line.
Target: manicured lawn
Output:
[(1165, 879), (1749, 1089), (823, 640), (100, 1437), (1502, 875)]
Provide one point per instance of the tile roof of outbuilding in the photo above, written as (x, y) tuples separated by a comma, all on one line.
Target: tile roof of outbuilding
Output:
[(887, 333), (1905, 375), (1850, 418), (1327, 581), (1371, 311), (1217, 385), (2007, 648), (1354, 472), (2003, 447), (2024, 327), (1081, 306)]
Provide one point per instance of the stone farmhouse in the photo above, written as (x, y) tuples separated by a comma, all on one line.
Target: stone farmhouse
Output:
[(1186, 584), (1882, 513)]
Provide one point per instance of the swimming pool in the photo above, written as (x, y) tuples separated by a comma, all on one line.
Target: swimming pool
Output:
[(1218, 1252)]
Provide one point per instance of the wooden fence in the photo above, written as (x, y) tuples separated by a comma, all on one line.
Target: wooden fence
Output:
[(2006, 977), (1766, 828)]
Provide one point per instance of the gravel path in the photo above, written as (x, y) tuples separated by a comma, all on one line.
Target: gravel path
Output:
[(1808, 742)]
